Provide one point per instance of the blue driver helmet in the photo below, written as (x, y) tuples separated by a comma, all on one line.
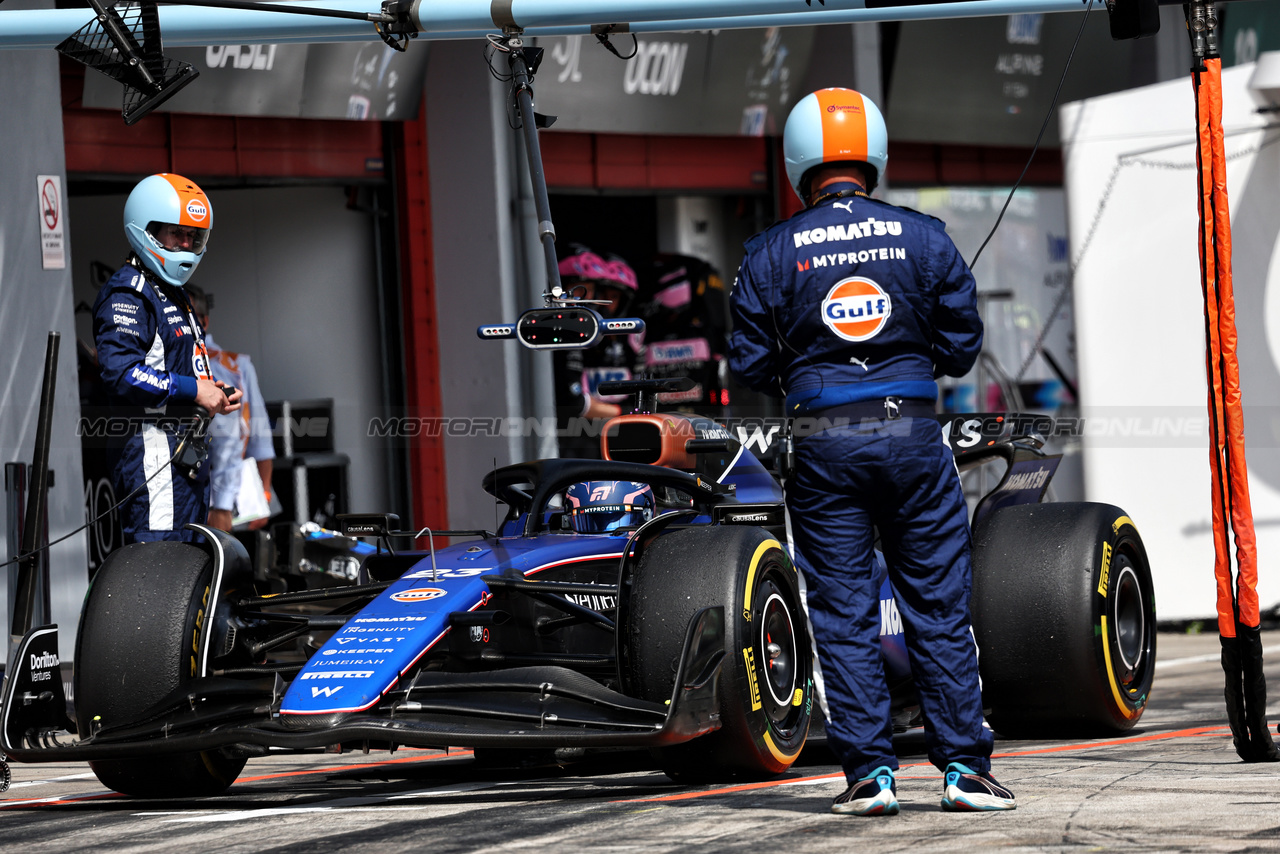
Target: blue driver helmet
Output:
[(167, 219), (600, 506)]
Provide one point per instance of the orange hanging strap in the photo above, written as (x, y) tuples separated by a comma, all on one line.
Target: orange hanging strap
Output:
[(1213, 357), (1233, 411)]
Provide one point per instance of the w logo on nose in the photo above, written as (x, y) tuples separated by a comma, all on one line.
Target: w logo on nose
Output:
[(326, 690)]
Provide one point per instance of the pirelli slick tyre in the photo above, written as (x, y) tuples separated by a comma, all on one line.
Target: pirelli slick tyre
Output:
[(766, 681), (139, 641), (1065, 618)]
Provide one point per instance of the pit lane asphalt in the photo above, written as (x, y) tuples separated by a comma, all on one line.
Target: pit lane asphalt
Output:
[(1172, 784)]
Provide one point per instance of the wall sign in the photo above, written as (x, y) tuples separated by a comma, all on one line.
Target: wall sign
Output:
[(53, 248)]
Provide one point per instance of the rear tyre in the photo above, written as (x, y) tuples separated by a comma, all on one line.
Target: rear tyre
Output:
[(766, 681), (1065, 618), (139, 640)]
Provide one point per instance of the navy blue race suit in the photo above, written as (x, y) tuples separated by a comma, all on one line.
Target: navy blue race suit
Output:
[(151, 352), (847, 304)]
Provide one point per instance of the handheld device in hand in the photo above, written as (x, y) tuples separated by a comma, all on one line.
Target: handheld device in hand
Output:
[(195, 445)]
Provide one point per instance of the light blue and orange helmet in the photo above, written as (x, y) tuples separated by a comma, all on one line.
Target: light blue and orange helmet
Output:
[(834, 126), (601, 506), (173, 199)]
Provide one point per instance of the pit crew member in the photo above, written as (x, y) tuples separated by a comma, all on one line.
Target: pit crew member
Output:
[(153, 357), (850, 310)]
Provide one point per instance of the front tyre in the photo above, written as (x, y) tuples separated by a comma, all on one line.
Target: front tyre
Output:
[(139, 641), (766, 682), (1065, 618)]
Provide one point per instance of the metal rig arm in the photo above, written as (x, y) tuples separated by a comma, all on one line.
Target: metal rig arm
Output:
[(187, 26)]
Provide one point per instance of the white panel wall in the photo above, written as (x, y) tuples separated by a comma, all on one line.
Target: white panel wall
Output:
[(34, 301), (1132, 207)]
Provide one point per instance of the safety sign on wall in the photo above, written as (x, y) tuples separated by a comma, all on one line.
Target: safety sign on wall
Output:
[(53, 248)]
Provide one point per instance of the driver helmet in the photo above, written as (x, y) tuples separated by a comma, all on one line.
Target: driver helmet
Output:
[(834, 126), (583, 265), (600, 506), (165, 211), (618, 274)]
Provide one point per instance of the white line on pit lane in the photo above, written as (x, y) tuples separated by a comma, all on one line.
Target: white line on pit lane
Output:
[(1201, 659), (327, 806), (26, 783)]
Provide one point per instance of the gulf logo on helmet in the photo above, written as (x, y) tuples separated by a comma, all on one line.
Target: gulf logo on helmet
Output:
[(193, 204), (856, 309), (418, 594)]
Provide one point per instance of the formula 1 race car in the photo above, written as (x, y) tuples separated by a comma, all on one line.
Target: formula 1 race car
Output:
[(679, 629)]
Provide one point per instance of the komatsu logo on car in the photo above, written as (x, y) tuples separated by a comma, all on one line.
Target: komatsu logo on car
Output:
[(418, 594), (339, 674), (388, 620), (871, 227), (1026, 480), (856, 309)]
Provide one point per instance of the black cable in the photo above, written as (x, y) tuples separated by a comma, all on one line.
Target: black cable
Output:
[(113, 508), (279, 7), (603, 38), (1043, 127)]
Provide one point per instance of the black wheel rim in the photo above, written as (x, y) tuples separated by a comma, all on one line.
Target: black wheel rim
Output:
[(777, 652), (1130, 627)]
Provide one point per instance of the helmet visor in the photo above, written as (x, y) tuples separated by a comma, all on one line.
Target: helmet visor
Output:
[(179, 238)]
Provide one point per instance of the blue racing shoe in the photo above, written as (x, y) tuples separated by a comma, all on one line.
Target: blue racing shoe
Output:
[(965, 790), (874, 794)]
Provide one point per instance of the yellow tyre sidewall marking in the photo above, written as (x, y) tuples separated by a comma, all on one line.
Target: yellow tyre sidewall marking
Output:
[(1106, 637), (1111, 675), (785, 758), (751, 573)]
